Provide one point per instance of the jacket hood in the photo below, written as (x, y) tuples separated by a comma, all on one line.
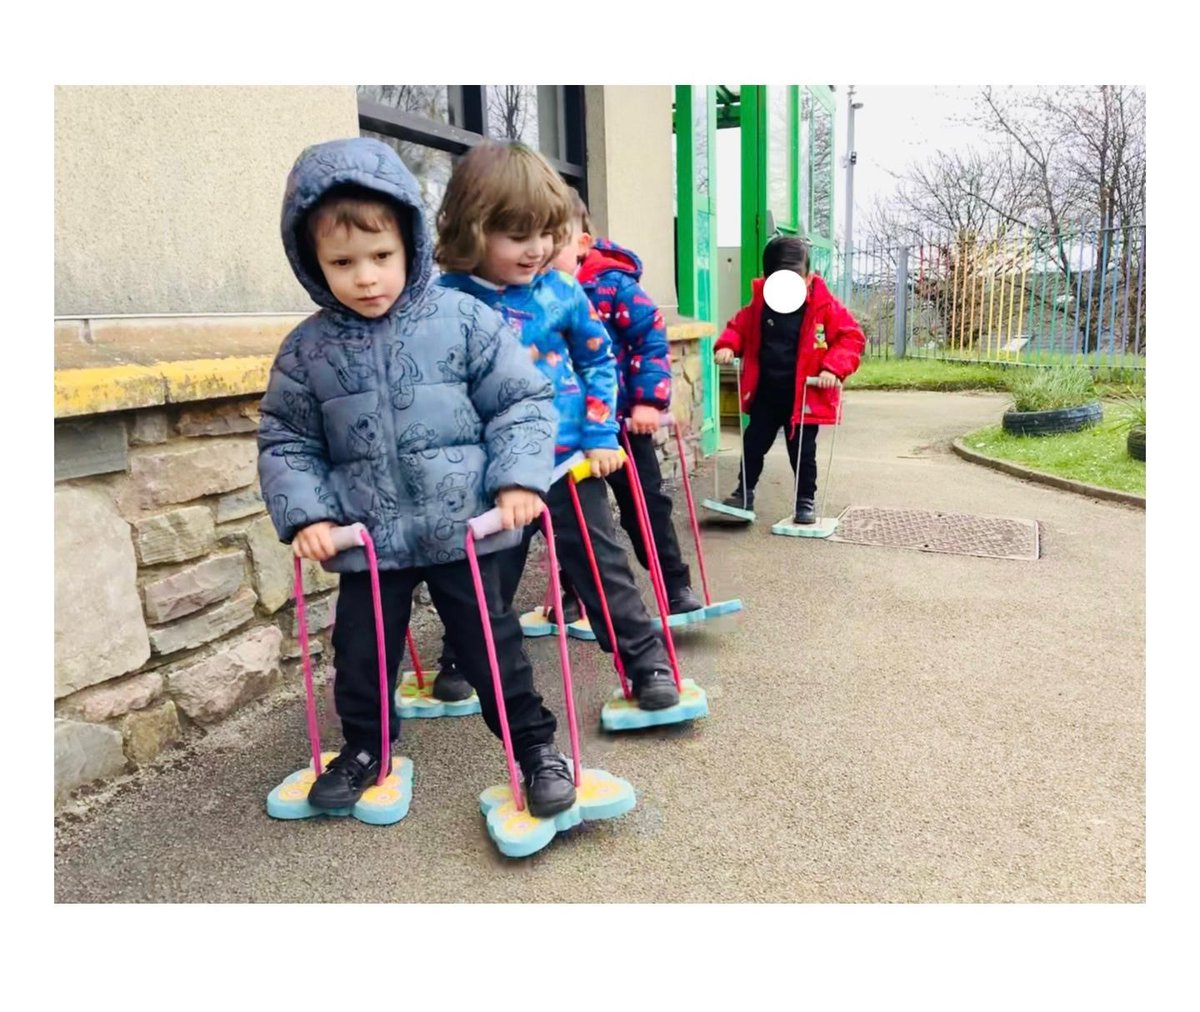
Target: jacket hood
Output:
[(368, 163), (606, 255)]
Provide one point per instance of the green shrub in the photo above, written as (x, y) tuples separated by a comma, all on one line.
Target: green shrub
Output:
[(1056, 387)]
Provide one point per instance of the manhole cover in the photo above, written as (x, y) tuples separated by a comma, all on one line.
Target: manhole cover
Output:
[(951, 533)]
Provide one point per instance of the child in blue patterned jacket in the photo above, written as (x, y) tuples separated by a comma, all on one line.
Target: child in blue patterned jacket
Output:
[(411, 409), (611, 275), (505, 215)]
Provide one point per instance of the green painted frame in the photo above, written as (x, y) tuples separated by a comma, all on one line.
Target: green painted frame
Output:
[(696, 212)]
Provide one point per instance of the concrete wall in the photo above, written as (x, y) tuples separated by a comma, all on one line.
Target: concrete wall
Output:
[(629, 177), (167, 199)]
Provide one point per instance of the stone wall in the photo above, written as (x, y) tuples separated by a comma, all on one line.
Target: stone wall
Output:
[(173, 596)]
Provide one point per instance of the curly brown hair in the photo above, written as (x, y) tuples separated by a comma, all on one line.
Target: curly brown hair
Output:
[(499, 187)]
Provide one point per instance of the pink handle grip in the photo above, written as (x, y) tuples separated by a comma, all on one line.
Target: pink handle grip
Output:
[(344, 538), (487, 523)]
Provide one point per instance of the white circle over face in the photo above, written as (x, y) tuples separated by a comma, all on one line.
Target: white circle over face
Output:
[(785, 291)]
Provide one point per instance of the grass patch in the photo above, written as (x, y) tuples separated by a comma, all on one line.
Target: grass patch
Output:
[(926, 374), (879, 373), (1046, 389), (1097, 455)]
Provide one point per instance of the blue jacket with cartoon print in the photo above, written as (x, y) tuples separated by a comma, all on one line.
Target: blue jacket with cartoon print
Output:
[(556, 322), (410, 422)]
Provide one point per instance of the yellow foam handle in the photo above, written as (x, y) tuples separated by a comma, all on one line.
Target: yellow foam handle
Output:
[(583, 469)]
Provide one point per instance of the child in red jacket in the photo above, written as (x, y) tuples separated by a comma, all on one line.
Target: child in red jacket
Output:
[(779, 352)]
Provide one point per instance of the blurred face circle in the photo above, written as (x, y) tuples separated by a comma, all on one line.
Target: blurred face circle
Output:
[(785, 291), (364, 270), (514, 259)]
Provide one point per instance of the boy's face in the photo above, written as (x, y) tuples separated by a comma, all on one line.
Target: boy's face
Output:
[(514, 259), (572, 254), (364, 270)]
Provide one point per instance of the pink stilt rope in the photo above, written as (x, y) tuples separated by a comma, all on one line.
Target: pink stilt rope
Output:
[(691, 504), (481, 527), (626, 690), (412, 652), (387, 801), (656, 576), (598, 795), (710, 609), (343, 538)]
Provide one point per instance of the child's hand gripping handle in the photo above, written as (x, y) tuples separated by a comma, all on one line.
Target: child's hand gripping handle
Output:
[(815, 381), (344, 538), (583, 469)]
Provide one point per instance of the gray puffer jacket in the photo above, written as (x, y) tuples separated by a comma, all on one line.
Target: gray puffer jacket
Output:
[(410, 422)]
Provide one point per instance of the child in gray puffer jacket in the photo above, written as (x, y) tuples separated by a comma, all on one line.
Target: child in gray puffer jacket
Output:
[(411, 409)]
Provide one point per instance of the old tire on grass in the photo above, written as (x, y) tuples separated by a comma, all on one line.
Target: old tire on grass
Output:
[(1055, 420), (1135, 442)]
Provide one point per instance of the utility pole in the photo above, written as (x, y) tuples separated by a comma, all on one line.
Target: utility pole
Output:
[(850, 161)]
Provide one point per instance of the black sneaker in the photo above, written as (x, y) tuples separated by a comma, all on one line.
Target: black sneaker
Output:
[(450, 686), (683, 600), (739, 500), (549, 786), (655, 690), (348, 774), (571, 610), (806, 512)]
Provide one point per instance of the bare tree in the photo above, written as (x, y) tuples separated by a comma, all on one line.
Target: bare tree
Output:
[(509, 111), (1086, 148)]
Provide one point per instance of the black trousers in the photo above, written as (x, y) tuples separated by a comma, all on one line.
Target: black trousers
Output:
[(356, 663), (641, 648), (770, 412)]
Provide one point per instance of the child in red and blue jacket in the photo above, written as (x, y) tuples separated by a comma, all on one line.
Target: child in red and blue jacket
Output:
[(610, 274)]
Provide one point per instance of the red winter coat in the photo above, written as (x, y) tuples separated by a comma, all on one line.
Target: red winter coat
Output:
[(843, 347)]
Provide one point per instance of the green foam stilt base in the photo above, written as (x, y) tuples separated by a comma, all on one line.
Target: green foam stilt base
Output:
[(730, 511), (824, 527), (517, 833), (414, 701), (621, 714), (381, 804)]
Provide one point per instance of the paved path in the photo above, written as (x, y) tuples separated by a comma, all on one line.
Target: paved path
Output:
[(886, 725)]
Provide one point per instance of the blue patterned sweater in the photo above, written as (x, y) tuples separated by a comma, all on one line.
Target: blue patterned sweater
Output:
[(556, 322)]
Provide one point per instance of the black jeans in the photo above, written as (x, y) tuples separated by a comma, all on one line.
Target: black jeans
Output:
[(356, 663), (641, 648), (770, 411)]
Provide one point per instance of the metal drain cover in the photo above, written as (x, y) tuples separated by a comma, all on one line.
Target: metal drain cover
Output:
[(950, 533)]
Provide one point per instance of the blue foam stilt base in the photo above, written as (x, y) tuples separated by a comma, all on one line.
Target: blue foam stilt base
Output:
[(621, 714), (600, 795), (534, 623), (730, 511), (413, 701), (581, 630), (824, 527), (381, 804), (701, 614)]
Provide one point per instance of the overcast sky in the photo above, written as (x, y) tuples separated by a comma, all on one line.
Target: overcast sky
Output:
[(898, 124)]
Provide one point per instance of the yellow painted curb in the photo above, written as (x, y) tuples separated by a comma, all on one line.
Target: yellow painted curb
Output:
[(101, 389)]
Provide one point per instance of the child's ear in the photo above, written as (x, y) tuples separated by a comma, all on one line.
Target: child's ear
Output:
[(585, 242)]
